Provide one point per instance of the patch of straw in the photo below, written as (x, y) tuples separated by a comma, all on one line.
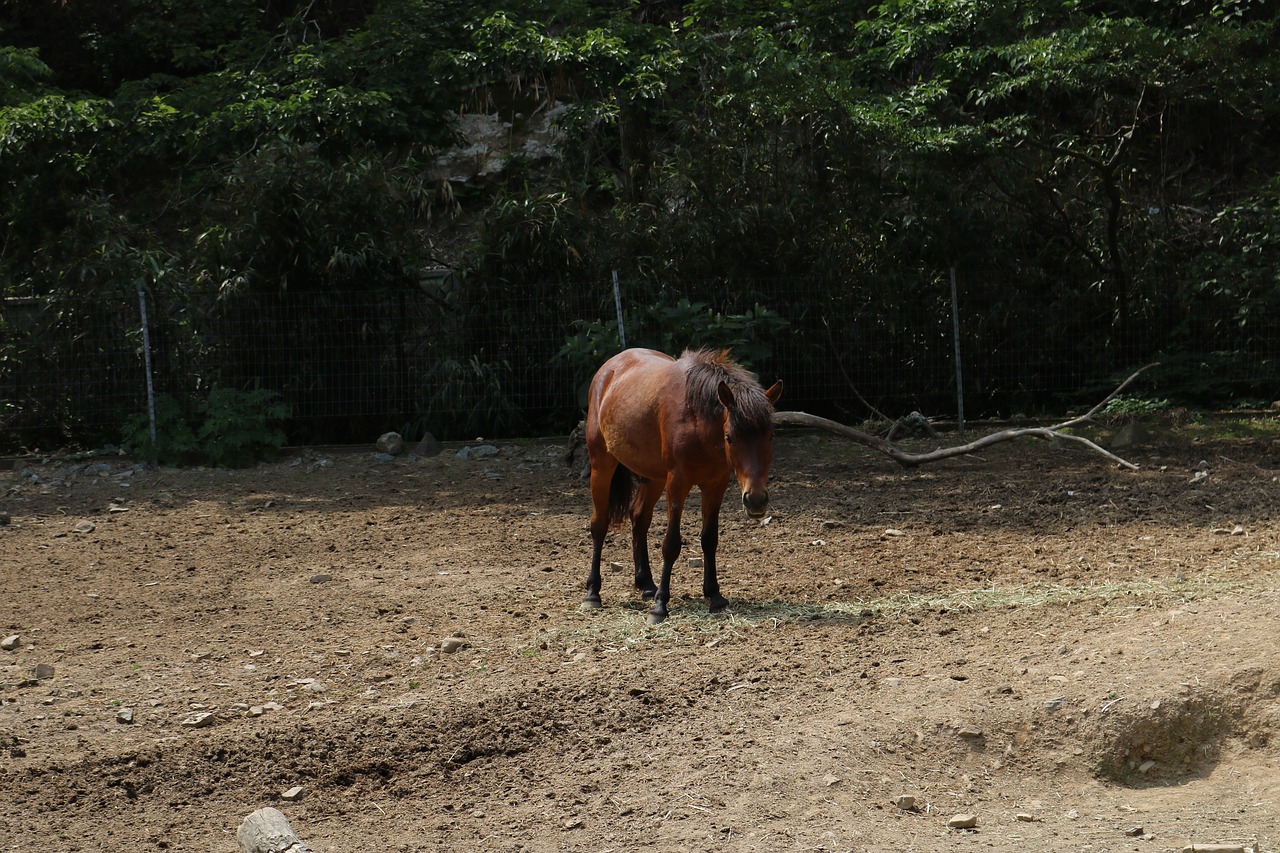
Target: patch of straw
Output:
[(623, 629)]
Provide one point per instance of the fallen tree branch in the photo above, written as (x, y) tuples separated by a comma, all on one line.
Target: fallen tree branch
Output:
[(911, 460)]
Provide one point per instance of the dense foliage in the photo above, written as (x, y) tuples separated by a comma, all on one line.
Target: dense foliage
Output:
[(1107, 164)]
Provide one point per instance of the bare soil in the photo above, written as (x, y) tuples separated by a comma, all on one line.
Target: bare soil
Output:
[(1082, 657)]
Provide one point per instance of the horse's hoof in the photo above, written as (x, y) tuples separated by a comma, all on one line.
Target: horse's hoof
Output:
[(718, 605), (657, 618), (648, 594), (589, 604)]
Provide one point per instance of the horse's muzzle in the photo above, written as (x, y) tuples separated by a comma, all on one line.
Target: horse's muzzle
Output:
[(755, 503)]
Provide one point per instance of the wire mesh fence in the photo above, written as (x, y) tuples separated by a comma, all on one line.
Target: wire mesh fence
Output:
[(461, 359)]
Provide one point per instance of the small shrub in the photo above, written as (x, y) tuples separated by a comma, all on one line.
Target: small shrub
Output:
[(241, 427), (175, 442), (469, 397), (229, 429), (1134, 407)]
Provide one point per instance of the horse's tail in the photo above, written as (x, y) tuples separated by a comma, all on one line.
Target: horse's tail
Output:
[(622, 491)]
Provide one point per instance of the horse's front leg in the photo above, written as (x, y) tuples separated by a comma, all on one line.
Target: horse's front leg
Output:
[(640, 523), (676, 495), (712, 498)]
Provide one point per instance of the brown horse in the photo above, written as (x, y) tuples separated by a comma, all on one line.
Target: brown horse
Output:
[(659, 423)]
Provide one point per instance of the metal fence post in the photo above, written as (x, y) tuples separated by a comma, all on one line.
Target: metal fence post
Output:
[(617, 303), (146, 359), (955, 333)]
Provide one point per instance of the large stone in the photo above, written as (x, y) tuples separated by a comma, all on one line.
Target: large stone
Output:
[(451, 645), (1130, 435), (392, 443), (429, 446)]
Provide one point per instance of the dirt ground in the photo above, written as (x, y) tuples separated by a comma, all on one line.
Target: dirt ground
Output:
[(1081, 657)]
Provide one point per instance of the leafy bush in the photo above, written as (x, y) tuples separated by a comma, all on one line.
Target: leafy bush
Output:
[(241, 427), (230, 429), (1242, 266), (175, 441), (472, 393), (1217, 380)]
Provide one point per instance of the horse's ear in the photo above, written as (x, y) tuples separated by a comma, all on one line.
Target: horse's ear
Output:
[(774, 393), (725, 393)]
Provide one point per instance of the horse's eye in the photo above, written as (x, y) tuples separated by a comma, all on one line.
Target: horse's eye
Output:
[(728, 439)]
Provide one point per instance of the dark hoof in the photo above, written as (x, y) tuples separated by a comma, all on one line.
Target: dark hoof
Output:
[(718, 605), (648, 592)]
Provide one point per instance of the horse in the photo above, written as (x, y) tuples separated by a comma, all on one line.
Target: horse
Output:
[(658, 423)]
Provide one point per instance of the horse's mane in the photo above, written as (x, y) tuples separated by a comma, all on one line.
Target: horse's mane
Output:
[(752, 412)]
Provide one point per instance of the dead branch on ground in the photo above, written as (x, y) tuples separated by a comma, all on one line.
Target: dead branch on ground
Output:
[(911, 460)]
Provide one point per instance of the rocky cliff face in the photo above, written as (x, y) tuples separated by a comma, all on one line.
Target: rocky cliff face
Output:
[(488, 141)]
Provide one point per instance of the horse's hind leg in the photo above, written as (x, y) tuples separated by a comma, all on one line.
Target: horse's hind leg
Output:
[(641, 520), (602, 471)]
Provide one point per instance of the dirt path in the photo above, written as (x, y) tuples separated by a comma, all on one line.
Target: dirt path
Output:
[(1083, 658)]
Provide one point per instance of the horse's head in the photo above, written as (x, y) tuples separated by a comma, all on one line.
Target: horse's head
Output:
[(748, 440)]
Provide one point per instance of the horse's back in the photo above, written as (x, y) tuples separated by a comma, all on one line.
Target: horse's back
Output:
[(637, 376), (631, 360), (625, 408)]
